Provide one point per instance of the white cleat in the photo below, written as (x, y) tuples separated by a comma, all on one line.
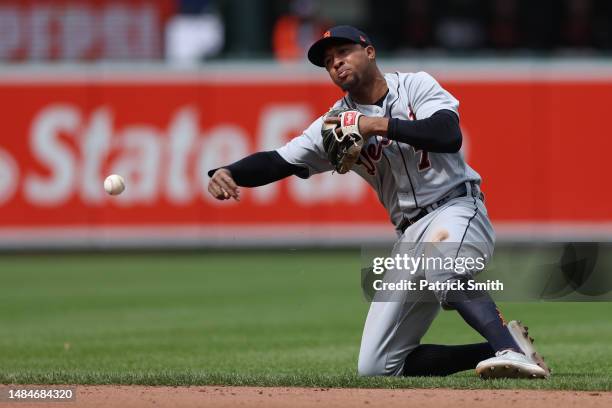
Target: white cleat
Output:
[(521, 337), (509, 364)]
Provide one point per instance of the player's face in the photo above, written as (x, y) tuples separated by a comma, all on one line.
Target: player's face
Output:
[(346, 64)]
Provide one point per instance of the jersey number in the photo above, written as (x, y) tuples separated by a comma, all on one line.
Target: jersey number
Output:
[(424, 162)]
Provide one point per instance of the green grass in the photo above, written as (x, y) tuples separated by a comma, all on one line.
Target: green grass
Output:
[(240, 318)]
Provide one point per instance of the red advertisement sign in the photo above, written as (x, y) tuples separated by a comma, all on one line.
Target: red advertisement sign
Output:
[(540, 146)]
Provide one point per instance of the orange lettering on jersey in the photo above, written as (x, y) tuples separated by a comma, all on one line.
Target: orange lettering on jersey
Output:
[(372, 153)]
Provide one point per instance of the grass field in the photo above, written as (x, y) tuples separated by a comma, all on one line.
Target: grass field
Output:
[(243, 317)]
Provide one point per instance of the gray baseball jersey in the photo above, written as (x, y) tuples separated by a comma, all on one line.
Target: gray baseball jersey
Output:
[(405, 179)]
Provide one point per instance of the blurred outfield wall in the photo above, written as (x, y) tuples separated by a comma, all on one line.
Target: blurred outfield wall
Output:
[(538, 133)]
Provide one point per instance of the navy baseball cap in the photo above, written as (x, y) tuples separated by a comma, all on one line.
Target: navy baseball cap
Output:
[(316, 53)]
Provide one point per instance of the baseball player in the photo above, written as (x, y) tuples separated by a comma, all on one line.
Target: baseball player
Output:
[(405, 127)]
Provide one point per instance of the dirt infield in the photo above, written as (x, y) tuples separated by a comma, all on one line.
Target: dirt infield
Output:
[(219, 396)]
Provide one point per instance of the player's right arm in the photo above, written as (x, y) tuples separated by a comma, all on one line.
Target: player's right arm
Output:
[(302, 156), (255, 170)]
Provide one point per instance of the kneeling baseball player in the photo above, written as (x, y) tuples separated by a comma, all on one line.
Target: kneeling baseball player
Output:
[(400, 132)]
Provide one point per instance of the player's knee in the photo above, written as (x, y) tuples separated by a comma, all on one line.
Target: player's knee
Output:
[(378, 367), (366, 368), (371, 367)]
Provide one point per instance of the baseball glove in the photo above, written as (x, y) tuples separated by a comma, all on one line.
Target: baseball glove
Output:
[(342, 142)]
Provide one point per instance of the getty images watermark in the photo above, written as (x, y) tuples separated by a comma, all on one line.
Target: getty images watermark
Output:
[(434, 273), (415, 270), (559, 271)]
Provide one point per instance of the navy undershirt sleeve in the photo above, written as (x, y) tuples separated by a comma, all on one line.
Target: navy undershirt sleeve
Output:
[(440, 133), (262, 168)]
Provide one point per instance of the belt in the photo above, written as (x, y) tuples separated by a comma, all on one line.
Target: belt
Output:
[(467, 189)]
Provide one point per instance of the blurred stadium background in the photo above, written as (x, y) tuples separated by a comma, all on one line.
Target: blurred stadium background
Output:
[(162, 91)]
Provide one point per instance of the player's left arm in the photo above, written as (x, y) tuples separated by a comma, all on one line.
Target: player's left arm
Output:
[(439, 133)]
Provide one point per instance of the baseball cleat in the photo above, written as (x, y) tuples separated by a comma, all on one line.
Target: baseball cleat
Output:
[(509, 364), (520, 334)]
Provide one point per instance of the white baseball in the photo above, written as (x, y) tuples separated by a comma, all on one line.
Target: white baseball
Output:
[(114, 184)]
